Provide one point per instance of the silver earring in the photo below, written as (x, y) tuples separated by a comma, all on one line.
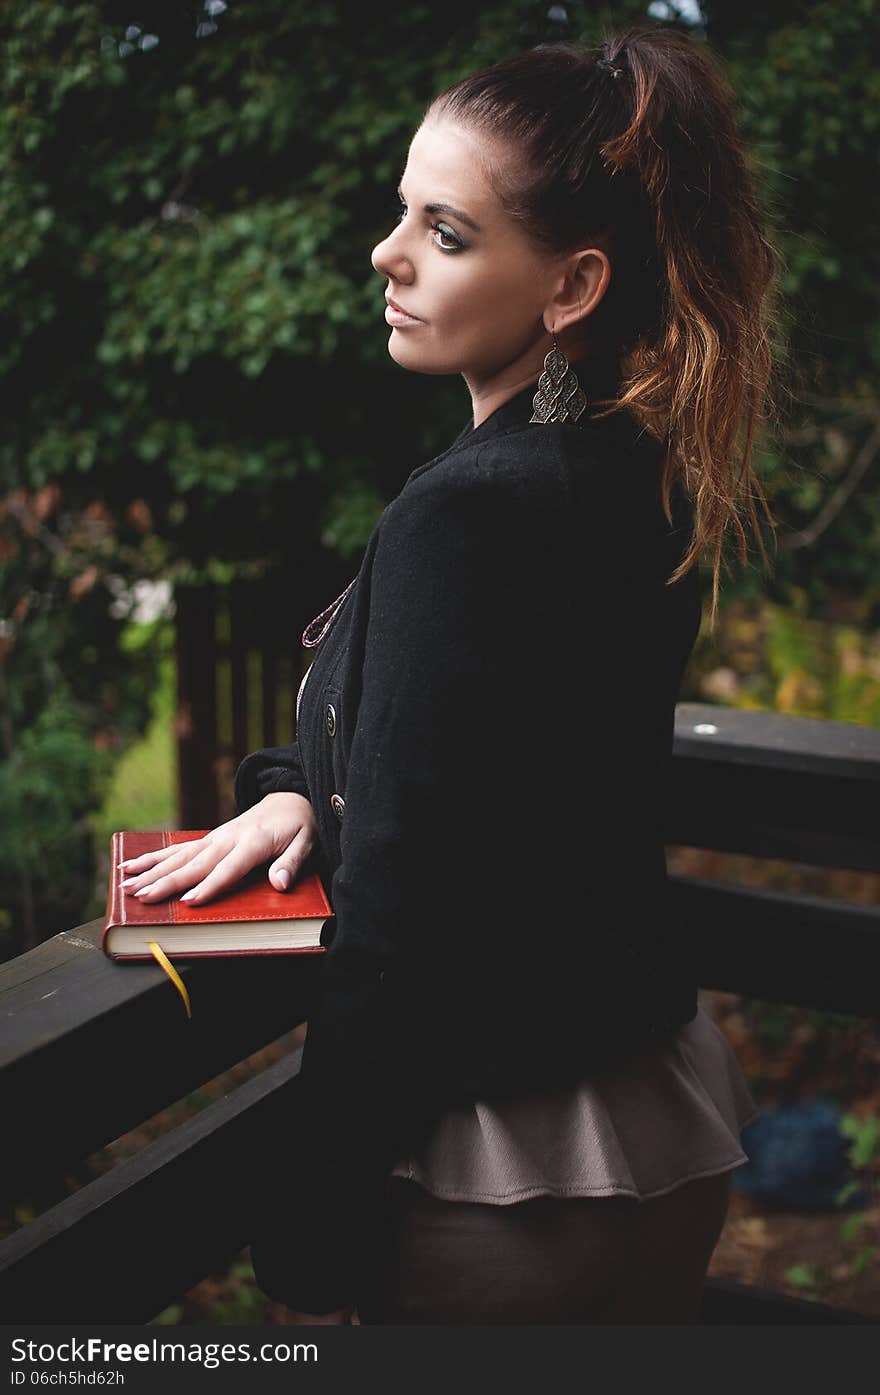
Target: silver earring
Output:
[(559, 396)]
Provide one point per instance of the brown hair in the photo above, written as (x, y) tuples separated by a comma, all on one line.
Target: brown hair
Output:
[(634, 148)]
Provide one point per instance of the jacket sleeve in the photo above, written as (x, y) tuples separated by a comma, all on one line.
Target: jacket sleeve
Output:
[(264, 772), (438, 844)]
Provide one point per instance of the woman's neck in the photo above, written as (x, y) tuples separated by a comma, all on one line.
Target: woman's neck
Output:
[(597, 373)]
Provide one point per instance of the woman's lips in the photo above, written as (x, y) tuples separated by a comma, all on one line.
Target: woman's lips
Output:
[(395, 316)]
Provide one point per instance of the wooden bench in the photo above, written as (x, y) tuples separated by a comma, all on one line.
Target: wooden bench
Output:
[(91, 1049)]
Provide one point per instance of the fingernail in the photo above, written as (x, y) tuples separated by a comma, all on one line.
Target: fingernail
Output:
[(129, 881), (125, 863), (283, 877), (143, 891), (188, 895)]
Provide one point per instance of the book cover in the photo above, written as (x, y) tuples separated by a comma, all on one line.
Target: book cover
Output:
[(250, 918)]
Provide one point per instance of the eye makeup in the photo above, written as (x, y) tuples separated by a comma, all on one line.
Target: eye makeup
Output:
[(442, 229)]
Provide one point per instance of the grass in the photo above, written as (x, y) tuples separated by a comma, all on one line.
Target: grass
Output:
[(143, 793)]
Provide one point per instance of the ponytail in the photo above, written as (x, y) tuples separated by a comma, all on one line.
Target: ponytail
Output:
[(634, 149)]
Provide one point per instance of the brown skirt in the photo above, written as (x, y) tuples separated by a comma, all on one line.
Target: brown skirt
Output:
[(612, 1259)]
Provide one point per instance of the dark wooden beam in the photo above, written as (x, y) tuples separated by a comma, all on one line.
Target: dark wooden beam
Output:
[(773, 786), (196, 717), (806, 950), (799, 745), (727, 1303)]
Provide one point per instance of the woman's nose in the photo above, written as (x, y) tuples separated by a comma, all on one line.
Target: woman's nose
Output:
[(388, 258)]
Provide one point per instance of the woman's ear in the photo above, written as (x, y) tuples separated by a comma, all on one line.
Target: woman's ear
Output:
[(585, 279)]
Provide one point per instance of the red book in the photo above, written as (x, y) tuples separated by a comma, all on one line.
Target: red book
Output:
[(251, 918)]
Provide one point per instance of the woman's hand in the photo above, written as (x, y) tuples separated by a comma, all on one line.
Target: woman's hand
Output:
[(344, 1317), (281, 826)]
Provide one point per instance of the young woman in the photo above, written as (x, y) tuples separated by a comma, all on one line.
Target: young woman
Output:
[(511, 1107)]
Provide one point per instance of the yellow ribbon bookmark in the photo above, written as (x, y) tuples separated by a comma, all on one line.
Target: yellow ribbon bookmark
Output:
[(165, 963)]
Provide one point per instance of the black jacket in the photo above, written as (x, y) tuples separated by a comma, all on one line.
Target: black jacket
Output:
[(502, 679)]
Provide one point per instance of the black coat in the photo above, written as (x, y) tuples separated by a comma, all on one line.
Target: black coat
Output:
[(502, 679)]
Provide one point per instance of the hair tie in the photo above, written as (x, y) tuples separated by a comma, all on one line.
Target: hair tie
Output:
[(609, 67)]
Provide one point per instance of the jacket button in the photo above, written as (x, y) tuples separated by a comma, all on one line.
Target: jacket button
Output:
[(337, 804), (330, 718)]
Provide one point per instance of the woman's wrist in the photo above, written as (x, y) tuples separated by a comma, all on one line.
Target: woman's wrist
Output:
[(284, 795)]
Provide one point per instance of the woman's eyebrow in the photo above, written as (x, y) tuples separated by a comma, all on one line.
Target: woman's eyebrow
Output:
[(446, 208)]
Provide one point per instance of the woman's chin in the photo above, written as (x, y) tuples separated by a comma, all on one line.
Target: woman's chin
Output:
[(407, 355), (418, 360)]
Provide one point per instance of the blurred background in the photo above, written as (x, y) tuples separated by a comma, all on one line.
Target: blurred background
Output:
[(197, 391)]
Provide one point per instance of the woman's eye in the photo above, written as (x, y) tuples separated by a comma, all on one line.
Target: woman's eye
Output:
[(451, 242), (450, 237)]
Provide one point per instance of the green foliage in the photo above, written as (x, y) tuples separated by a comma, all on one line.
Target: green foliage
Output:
[(350, 518), (246, 1305), (72, 696), (865, 1135), (46, 783), (169, 1317), (48, 786), (774, 657), (811, 1279), (863, 1156), (808, 90)]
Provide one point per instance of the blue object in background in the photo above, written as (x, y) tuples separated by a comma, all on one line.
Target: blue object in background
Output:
[(797, 1158)]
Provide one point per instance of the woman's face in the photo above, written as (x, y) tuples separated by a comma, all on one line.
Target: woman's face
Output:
[(478, 289)]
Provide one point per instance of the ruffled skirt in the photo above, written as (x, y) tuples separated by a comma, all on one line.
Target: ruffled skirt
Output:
[(637, 1131)]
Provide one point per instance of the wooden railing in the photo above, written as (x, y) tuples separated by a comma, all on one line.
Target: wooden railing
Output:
[(90, 1049)]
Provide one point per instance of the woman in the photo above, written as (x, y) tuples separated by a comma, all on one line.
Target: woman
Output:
[(510, 1107)]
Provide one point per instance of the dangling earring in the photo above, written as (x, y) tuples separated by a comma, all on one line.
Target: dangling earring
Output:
[(559, 396)]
